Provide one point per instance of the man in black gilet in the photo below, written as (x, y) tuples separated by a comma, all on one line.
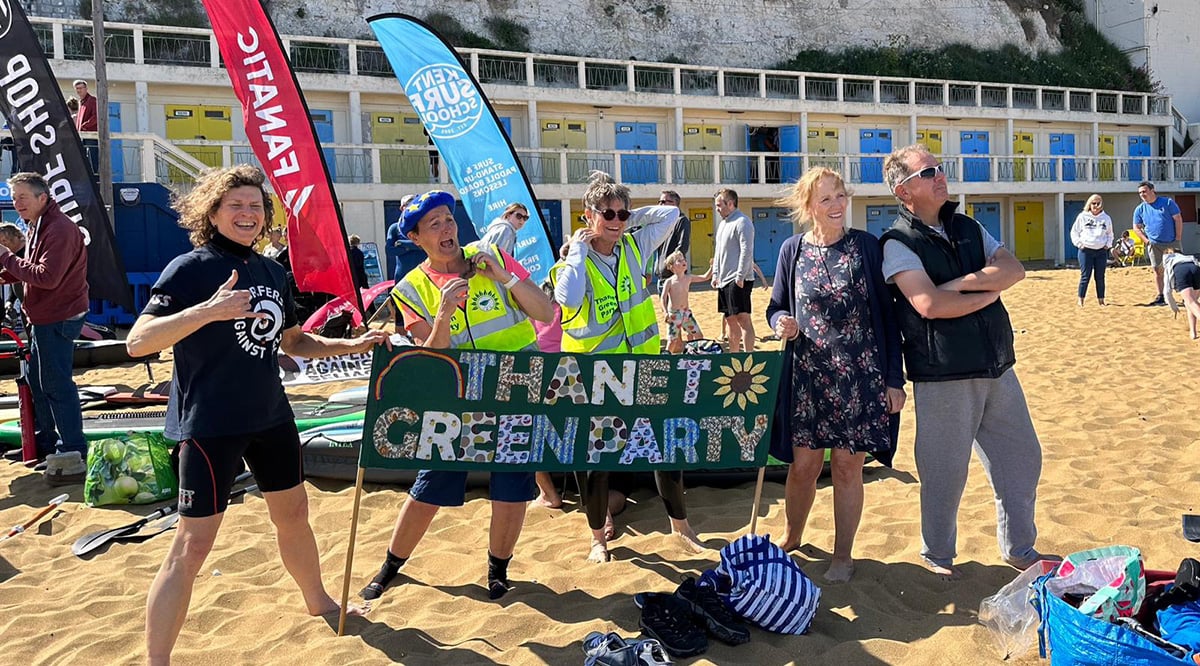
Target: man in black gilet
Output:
[(947, 274)]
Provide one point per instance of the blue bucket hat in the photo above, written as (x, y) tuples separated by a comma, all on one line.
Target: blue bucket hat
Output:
[(420, 206)]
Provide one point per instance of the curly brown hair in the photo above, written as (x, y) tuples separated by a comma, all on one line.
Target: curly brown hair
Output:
[(196, 207)]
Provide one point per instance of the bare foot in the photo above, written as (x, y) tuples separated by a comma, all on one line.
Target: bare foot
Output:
[(599, 553), (944, 572), (840, 571), (790, 544), (329, 606), (548, 501), (610, 530), (689, 541)]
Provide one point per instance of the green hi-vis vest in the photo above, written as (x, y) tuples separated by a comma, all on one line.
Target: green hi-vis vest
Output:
[(591, 328), (491, 319)]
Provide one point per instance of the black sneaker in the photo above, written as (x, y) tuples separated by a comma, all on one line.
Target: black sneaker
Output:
[(668, 619), (1159, 300), (712, 613)]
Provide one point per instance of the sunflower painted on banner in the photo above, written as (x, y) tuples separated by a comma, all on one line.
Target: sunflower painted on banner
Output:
[(741, 381)]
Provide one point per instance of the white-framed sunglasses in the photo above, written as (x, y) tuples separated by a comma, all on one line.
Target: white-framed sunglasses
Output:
[(928, 173)]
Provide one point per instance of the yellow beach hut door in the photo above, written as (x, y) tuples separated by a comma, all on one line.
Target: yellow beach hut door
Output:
[(702, 238), (1029, 233)]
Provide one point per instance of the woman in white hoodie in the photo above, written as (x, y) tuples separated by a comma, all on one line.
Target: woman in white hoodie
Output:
[(1092, 234)]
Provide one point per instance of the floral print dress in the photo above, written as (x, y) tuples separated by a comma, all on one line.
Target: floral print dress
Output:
[(836, 371)]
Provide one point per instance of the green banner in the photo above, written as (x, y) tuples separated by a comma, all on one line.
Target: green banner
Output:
[(524, 411)]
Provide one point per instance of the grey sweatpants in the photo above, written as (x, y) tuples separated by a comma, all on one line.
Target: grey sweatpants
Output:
[(989, 415)]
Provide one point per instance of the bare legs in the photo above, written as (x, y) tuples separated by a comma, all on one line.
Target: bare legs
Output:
[(1191, 302), (741, 332), (547, 494), (847, 503), (171, 591), (415, 517)]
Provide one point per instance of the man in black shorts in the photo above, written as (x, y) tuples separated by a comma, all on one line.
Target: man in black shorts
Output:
[(227, 311), (733, 270)]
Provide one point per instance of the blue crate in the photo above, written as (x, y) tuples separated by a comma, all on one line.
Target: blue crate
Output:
[(109, 314)]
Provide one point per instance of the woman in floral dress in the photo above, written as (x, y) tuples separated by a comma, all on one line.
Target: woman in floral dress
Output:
[(843, 387)]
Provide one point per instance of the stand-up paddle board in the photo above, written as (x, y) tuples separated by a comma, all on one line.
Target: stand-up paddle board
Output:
[(353, 396), (331, 452), (102, 425)]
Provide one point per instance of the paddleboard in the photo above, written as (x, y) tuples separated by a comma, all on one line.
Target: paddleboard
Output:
[(102, 425), (86, 394), (331, 452), (88, 354), (353, 396)]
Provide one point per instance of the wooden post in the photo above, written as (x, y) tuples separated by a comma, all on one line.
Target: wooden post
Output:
[(758, 486), (350, 552)]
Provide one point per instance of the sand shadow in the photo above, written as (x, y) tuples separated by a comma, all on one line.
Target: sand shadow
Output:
[(409, 645)]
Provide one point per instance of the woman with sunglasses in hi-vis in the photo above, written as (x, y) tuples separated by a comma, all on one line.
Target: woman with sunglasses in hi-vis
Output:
[(606, 305)]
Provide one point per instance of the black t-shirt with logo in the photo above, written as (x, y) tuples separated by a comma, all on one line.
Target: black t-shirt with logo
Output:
[(226, 376)]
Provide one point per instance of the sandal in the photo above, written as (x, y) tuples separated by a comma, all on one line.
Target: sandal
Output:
[(596, 642), (651, 653), (609, 650)]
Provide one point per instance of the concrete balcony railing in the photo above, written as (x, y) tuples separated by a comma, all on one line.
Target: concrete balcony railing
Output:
[(383, 164), (192, 47)]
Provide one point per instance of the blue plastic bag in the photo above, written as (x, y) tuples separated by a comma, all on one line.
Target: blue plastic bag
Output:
[(1076, 639)]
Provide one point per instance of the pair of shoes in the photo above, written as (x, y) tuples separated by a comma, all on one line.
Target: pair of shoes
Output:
[(712, 613), (612, 650), (1024, 563), (668, 619), (65, 468)]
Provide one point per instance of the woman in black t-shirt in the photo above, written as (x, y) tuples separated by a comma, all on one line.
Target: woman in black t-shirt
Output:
[(227, 311)]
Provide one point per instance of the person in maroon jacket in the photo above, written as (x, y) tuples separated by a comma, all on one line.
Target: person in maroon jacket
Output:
[(86, 121), (54, 271)]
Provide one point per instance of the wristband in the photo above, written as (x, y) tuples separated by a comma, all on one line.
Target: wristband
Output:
[(512, 282)]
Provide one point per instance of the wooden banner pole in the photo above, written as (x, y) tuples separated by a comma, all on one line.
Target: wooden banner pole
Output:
[(758, 486), (358, 484)]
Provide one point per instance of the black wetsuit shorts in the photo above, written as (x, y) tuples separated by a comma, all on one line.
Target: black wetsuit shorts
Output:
[(208, 466)]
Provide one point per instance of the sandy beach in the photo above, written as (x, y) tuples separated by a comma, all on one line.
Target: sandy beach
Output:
[(1112, 391)]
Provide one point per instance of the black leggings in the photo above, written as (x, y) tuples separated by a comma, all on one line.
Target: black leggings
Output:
[(593, 486)]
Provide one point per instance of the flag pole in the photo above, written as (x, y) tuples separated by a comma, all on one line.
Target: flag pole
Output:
[(103, 162)]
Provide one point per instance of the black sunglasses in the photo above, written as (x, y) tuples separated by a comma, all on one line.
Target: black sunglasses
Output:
[(609, 214), (521, 216)]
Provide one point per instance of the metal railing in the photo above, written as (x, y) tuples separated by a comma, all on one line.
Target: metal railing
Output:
[(163, 45), (418, 165)]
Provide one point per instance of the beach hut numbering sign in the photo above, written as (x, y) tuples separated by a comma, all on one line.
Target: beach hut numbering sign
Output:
[(525, 411)]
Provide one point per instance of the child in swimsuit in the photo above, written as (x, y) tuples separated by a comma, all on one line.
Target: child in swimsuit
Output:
[(675, 302)]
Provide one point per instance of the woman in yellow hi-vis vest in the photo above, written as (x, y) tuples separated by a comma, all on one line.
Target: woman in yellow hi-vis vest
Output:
[(462, 298), (606, 309)]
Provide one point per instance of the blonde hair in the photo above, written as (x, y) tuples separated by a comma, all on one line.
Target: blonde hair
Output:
[(514, 207), (1095, 197), (602, 187), (799, 200), (675, 256), (197, 207)]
